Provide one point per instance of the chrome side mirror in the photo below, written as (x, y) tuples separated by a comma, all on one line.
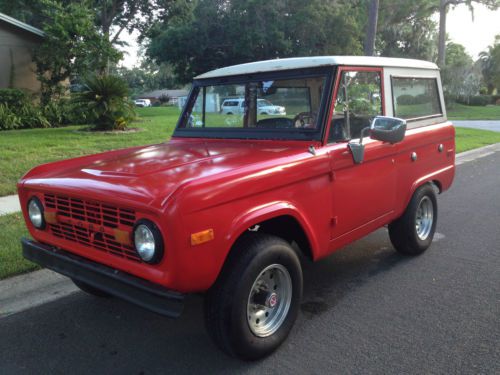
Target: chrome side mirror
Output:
[(388, 129), (382, 128)]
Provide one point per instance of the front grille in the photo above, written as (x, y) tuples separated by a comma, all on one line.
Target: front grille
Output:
[(90, 212), (91, 224)]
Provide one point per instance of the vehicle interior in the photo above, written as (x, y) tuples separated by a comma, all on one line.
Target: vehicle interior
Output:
[(276, 104), (358, 102)]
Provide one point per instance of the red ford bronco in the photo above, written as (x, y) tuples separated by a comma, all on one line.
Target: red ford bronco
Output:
[(233, 203)]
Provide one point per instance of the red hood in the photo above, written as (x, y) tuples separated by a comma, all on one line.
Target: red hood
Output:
[(152, 173)]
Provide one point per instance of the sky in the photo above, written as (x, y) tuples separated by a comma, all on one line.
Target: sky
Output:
[(475, 34)]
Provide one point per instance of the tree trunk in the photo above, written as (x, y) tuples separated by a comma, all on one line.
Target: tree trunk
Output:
[(443, 6), (371, 30)]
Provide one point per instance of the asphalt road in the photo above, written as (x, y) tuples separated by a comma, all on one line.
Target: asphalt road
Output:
[(366, 310)]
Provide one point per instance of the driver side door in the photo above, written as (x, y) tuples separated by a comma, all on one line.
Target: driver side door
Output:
[(363, 194)]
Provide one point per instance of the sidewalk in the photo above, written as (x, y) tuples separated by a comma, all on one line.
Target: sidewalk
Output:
[(478, 124), (9, 204)]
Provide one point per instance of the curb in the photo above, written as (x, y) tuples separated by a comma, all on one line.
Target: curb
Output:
[(33, 289), (477, 153)]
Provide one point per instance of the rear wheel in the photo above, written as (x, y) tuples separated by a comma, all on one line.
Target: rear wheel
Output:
[(413, 232), (253, 305), (89, 289)]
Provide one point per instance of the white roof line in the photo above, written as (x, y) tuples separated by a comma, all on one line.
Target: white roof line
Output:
[(316, 61), (21, 25)]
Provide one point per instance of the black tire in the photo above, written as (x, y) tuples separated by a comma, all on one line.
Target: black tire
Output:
[(403, 232), (228, 301), (89, 289)]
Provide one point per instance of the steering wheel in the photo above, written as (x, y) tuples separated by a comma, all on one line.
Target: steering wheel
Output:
[(304, 120)]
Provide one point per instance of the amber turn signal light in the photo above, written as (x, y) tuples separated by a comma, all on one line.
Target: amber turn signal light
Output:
[(122, 237), (202, 237), (50, 217)]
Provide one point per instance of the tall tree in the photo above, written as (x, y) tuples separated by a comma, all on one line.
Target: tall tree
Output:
[(207, 34), (371, 30), (443, 9), (459, 64), (407, 29), (72, 46)]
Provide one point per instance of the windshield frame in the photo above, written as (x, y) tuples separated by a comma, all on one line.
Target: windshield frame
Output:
[(315, 134)]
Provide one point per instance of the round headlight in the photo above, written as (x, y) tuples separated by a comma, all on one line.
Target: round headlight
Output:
[(148, 241), (35, 213)]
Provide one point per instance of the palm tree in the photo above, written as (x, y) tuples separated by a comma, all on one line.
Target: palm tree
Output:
[(490, 66)]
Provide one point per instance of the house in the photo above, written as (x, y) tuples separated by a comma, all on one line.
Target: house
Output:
[(17, 42), (156, 95)]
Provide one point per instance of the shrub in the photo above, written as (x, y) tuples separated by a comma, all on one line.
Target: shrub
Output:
[(8, 119), (476, 100), (63, 112), (104, 103), (410, 99), (164, 99), (32, 117), (14, 98), (26, 116)]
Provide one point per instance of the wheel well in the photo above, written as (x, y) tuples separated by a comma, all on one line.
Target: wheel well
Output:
[(438, 185), (288, 228)]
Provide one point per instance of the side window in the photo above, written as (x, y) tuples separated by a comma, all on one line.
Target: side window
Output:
[(415, 97), (359, 100)]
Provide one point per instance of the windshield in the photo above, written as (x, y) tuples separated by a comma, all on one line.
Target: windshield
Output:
[(270, 108)]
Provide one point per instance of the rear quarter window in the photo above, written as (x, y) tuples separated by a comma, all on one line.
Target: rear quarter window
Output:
[(415, 98)]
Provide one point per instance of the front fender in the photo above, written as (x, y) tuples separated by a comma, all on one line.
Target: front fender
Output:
[(268, 211)]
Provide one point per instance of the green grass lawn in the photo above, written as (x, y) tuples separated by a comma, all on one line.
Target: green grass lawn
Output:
[(468, 139), (465, 112), (21, 150), (11, 260)]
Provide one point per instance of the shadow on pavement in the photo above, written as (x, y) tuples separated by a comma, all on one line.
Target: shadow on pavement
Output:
[(85, 334)]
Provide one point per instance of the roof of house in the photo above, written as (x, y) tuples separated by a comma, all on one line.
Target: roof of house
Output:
[(21, 25), (170, 93), (316, 61)]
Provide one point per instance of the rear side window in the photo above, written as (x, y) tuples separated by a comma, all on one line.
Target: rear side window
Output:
[(415, 97), (230, 104)]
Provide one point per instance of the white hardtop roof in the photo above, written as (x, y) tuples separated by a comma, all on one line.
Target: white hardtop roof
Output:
[(314, 62)]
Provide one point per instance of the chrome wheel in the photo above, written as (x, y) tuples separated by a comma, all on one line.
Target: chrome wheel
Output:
[(269, 300), (424, 218)]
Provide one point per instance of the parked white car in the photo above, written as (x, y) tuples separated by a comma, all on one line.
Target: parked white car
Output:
[(142, 102), (264, 107)]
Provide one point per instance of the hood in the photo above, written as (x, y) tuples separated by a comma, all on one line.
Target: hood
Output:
[(150, 174)]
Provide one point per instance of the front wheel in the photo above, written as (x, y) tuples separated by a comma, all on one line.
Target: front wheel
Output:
[(254, 303), (413, 232)]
